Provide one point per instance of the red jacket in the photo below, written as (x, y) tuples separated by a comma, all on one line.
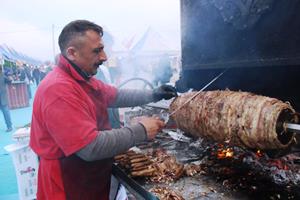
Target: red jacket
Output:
[(68, 112)]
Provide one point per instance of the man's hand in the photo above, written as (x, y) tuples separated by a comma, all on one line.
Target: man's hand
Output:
[(152, 126), (164, 92)]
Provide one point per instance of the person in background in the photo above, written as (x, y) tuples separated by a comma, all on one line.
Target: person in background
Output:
[(70, 130), (163, 71), (42, 73), (28, 73), (21, 73), (8, 72), (22, 76), (36, 75), (3, 100), (28, 79)]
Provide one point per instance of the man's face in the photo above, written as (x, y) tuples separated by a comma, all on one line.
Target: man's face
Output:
[(88, 52)]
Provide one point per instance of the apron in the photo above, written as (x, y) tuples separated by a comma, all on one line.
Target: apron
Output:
[(84, 180)]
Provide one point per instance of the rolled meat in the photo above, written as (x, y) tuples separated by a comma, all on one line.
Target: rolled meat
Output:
[(239, 118)]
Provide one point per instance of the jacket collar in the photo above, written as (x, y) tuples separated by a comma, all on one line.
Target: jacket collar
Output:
[(75, 72)]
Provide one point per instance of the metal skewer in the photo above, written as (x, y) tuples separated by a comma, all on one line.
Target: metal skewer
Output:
[(292, 127), (208, 84)]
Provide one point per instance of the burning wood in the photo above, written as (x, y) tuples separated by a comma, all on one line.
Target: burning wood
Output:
[(240, 118), (259, 153), (225, 153)]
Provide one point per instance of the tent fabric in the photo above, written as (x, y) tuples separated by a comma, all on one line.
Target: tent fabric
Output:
[(12, 55), (6, 54), (151, 42)]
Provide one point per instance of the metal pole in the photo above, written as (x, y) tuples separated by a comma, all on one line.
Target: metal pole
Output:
[(53, 42)]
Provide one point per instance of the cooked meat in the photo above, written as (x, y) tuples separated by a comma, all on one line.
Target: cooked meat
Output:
[(140, 168), (136, 156), (159, 167), (145, 172), (167, 168), (138, 160), (239, 118), (140, 164), (164, 193), (192, 169)]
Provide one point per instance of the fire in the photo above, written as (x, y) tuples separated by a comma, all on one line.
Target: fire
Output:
[(225, 153), (259, 153)]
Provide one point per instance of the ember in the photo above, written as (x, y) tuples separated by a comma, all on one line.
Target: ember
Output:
[(259, 153), (225, 153)]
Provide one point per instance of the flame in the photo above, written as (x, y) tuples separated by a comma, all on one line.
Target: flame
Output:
[(225, 153), (259, 153)]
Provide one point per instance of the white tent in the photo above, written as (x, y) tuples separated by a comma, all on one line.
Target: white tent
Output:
[(152, 43)]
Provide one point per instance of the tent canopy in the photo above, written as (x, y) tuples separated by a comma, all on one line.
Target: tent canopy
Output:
[(151, 43), (10, 54)]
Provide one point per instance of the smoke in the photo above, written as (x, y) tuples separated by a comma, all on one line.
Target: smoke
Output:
[(261, 48)]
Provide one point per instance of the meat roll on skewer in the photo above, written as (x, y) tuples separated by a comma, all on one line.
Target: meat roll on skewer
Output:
[(240, 118)]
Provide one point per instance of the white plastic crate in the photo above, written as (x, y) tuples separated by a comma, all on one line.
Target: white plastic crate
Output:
[(26, 167)]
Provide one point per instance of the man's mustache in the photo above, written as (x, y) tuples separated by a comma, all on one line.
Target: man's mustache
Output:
[(99, 63)]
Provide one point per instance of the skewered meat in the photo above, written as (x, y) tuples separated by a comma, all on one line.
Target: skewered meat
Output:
[(138, 163), (159, 167), (239, 118), (144, 172)]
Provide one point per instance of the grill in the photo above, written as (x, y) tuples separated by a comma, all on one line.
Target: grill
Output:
[(224, 171)]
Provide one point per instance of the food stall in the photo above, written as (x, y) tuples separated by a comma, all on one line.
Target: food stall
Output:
[(234, 147)]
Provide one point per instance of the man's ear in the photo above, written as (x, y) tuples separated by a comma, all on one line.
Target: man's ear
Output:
[(71, 53)]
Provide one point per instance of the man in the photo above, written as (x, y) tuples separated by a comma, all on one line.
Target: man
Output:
[(3, 100), (70, 131), (36, 75), (163, 71)]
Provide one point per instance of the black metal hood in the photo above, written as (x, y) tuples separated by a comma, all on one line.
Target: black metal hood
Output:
[(258, 40)]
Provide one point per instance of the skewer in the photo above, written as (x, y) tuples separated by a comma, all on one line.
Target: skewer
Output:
[(208, 84), (292, 127)]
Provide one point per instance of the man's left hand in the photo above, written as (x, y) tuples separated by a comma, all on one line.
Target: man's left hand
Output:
[(164, 92)]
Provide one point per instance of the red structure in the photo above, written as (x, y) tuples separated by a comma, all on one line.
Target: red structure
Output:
[(17, 94)]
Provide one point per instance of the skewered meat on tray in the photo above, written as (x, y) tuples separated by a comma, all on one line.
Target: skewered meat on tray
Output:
[(239, 118), (138, 163), (158, 167)]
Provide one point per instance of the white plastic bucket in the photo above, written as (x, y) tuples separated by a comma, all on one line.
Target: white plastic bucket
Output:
[(26, 168)]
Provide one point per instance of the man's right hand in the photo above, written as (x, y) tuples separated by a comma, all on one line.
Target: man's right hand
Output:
[(152, 126)]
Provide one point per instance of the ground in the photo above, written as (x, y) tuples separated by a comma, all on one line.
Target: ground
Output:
[(8, 181)]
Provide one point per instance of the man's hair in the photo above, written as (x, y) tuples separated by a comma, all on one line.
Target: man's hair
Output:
[(74, 29)]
